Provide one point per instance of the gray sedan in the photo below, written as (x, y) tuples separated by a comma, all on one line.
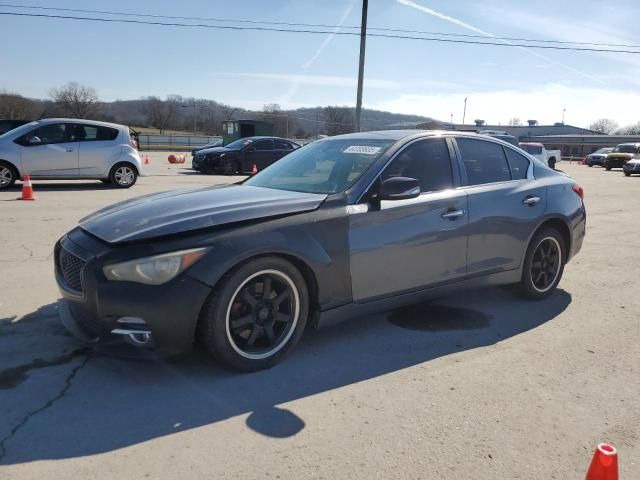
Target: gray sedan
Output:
[(343, 226)]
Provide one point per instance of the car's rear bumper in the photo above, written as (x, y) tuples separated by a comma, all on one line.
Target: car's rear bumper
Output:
[(169, 313)]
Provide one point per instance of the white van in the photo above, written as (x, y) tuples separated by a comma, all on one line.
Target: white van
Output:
[(65, 149)]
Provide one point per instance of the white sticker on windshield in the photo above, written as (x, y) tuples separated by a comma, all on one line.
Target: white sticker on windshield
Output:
[(365, 149)]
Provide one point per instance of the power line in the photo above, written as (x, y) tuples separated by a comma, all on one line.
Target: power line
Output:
[(313, 25), (320, 32)]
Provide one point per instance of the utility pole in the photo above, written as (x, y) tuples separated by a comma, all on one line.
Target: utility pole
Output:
[(451, 122), (563, 110), (317, 123), (464, 113), (195, 117), (363, 40)]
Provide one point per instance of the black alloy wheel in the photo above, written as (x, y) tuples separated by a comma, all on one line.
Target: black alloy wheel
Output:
[(256, 315), (544, 264)]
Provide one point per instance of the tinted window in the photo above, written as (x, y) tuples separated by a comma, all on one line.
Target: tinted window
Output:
[(85, 133), (282, 145), (427, 161), (263, 145), (532, 149), (484, 161), (51, 133), (518, 164)]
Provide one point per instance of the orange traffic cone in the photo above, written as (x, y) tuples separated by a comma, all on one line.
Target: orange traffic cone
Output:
[(254, 170), (604, 465), (146, 159), (27, 189)]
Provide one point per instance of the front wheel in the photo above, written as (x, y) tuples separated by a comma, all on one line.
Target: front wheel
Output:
[(256, 315), (543, 264), (123, 175), (607, 167), (627, 174), (8, 176)]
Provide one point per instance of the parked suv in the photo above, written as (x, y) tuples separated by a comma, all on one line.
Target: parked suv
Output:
[(64, 148), (621, 155)]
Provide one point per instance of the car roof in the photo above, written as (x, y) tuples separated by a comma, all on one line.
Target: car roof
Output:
[(629, 144), (397, 135), (533, 144), (46, 121)]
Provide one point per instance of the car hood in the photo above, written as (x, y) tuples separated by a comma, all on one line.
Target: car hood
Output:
[(186, 210), (619, 155), (209, 150)]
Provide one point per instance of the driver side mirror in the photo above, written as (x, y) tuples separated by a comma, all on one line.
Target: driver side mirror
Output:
[(34, 140), (399, 188)]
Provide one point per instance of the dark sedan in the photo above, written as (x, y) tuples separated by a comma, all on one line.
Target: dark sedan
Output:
[(347, 225), (241, 155), (597, 157)]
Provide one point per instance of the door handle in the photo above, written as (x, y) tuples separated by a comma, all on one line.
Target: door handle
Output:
[(69, 149), (452, 214), (531, 201)]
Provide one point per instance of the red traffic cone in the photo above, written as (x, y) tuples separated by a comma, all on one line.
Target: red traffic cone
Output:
[(254, 170), (146, 159), (604, 465), (27, 189)]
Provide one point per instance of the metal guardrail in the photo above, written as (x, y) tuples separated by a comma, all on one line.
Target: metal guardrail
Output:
[(185, 143)]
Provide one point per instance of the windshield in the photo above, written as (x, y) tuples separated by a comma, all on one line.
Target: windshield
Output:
[(20, 130), (532, 149), (324, 166), (625, 149), (603, 150), (239, 144)]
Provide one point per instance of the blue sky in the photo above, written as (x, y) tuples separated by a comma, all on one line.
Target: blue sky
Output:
[(253, 68)]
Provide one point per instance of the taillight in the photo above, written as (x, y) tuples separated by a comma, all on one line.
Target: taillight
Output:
[(132, 142), (578, 189)]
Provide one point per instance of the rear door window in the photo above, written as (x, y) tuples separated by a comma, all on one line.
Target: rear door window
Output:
[(484, 161), (518, 164), (88, 133), (282, 145), (428, 161), (263, 145)]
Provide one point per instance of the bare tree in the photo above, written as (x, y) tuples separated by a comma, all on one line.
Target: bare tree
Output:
[(15, 107), (604, 125), (338, 120), (161, 113), (76, 100), (630, 130), (514, 122)]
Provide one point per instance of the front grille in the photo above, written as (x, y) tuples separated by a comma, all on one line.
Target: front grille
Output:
[(71, 270)]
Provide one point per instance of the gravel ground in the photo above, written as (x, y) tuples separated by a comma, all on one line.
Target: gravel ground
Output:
[(477, 386)]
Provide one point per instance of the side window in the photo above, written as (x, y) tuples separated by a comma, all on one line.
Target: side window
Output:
[(427, 161), (263, 145), (484, 161), (47, 134), (282, 145), (87, 133), (518, 164)]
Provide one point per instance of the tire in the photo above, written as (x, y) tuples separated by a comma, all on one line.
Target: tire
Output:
[(227, 167), (607, 167), (123, 175), (106, 181), (532, 285), (627, 174), (552, 163), (590, 164), (247, 346), (8, 175)]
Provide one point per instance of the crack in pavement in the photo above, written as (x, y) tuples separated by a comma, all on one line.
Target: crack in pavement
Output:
[(60, 395)]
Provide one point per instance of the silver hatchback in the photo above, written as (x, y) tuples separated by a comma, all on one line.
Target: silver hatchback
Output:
[(64, 149)]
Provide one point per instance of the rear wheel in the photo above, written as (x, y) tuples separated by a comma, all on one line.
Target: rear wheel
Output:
[(256, 315), (123, 175), (627, 174), (608, 167), (589, 164), (543, 264), (227, 167), (8, 175), (552, 163)]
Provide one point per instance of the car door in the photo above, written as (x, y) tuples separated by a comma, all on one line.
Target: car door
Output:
[(280, 149), (98, 149), (50, 151), (505, 204), (404, 245), (260, 154)]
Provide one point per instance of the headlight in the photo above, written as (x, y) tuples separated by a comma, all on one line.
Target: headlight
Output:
[(154, 270)]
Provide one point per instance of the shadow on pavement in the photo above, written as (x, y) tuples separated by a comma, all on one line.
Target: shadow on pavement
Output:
[(115, 403)]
